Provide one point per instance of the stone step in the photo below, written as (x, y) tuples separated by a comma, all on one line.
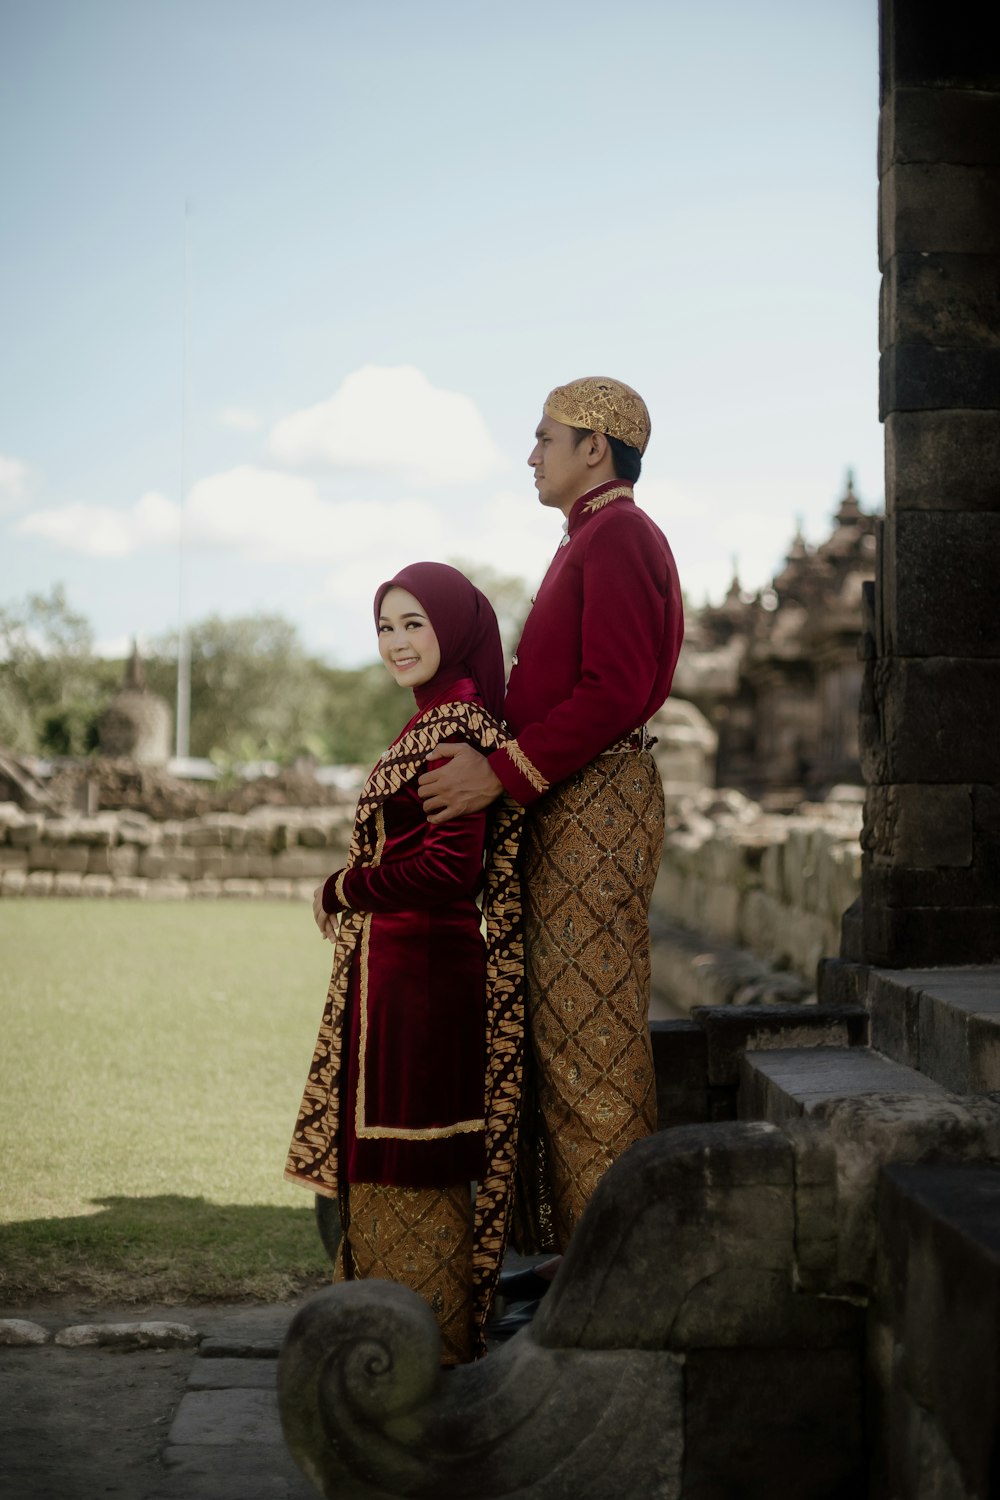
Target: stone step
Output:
[(944, 1023), (697, 1061), (787, 1083), (937, 1322)]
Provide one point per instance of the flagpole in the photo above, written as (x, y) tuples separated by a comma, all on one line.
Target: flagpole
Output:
[(183, 734)]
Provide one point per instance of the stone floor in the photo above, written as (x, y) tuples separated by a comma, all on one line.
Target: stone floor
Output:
[(148, 1424)]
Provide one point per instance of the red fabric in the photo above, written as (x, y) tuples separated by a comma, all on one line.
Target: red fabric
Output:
[(426, 994), (599, 647), (466, 628)]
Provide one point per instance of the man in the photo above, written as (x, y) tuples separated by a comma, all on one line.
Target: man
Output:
[(595, 660)]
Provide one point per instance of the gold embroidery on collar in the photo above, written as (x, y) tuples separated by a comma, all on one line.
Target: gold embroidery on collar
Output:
[(523, 764), (622, 492)]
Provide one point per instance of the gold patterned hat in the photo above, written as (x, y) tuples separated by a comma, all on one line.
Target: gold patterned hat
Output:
[(602, 405)]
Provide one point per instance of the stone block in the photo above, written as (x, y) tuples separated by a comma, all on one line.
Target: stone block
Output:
[(898, 886), (311, 835), (59, 831), (41, 857), (730, 1032), (784, 1085), (164, 863), (924, 47), (710, 1207), (124, 860), (302, 864), (959, 1030), (136, 828), (940, 125), (230, 1374), (100, 830), (894, 1008), (226, 1417), (939, 1253), (947, 301), (224, 865), (919, 827), (13, 882), (258, 865), (763, 1422), (679, 1064), (97, 886), (762, 924), (72, 858), (27, 832), (279, 890), (39, 883), (922, 935), (945, 594), (215, 830), (942, 460), (952, 700), (939, 208), (67, 883), (816, 1241), (129, 888), (917, 377), (260, 1469), (243, 890), (13, 859), (167, 890), (841, 982)]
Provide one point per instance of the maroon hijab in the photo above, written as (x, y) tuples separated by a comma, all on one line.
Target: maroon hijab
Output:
[(466, 630)]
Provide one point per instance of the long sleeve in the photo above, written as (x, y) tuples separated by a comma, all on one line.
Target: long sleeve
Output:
[(423, 866), (620, 595)]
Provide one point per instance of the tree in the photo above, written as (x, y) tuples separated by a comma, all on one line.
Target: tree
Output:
[(509, 597), (255, 693), (52, 687)]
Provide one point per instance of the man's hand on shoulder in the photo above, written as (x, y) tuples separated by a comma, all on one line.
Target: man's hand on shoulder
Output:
[(465, 785)]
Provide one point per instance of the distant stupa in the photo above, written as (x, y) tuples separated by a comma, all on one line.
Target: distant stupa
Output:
[(136, 724)]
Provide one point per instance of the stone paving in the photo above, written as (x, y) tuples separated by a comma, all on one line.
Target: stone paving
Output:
[(127, 1417)]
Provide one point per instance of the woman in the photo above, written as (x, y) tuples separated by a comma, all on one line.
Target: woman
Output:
[(414, 1088)]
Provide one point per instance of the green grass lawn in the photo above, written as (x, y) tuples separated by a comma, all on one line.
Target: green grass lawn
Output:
[(152, 1063)]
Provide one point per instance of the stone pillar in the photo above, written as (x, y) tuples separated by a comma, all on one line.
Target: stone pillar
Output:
[(930, 718)]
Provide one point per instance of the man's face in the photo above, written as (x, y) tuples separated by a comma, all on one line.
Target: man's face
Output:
[(562, 473)]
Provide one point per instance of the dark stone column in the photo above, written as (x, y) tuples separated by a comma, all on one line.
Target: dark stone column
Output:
[(930, 716)]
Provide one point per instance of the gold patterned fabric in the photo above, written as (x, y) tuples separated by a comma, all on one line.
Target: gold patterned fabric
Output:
[(421, 1237), (602, 405), (312, 1155), (590, 853)]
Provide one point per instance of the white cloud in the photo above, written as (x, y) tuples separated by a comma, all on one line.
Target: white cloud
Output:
[(114, 647), (391, 420), (513, 534), (264, 514), (101, 530), (239, 417), (13, 476)]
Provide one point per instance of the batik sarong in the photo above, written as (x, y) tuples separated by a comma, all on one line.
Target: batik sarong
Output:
[(421, 1237), (589, 857)]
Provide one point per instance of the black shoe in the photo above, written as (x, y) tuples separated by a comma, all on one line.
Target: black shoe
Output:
[(519, 1316), (522, 1286)]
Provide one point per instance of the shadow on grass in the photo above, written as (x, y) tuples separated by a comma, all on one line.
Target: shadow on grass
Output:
[(165, 1248)]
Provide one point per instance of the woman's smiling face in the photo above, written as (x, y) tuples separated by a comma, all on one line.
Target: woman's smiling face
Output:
[(406, 640)]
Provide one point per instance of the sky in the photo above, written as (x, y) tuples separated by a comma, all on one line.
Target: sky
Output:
[(283, 287)]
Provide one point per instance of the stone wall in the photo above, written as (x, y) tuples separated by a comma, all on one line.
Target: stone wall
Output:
[(279, 853), (731, 874), (774, 884)]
